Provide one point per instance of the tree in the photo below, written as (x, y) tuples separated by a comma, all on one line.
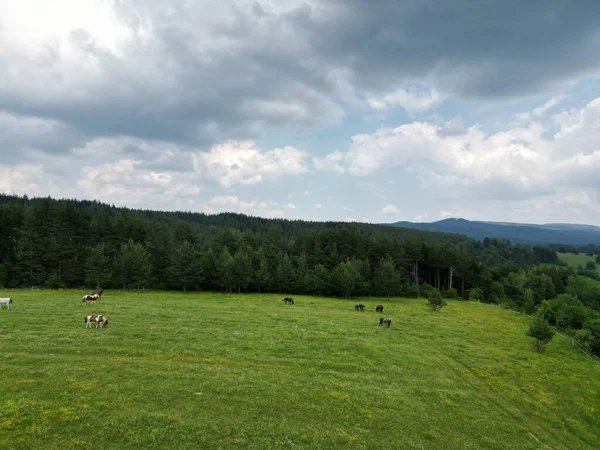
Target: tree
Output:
[(284, 272), (387, 278), (262, 276), (132, 265), (345, 277), (185, 268), (316, 280), (435, 300), (97, 267), (541, 331), (241, 270), (225, 270)]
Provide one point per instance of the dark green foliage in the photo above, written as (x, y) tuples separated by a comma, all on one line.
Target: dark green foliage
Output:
[(476, 295), (541, 331), (44, 242), (565, 312), (435, 300), (132, 266), (451, 293), (97, 267)]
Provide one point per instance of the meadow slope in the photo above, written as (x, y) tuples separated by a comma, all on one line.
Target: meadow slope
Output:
[(205, 370)]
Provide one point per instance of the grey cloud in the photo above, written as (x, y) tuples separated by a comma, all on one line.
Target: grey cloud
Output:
[(197, 76)]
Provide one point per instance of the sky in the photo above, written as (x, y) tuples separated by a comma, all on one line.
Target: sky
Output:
[(377, 111)]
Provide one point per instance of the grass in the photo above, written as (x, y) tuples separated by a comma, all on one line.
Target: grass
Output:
[(573, 260), (207, 370)]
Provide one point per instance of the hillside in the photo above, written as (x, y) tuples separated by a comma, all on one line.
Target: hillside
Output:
[(247, 371), (530, 234)]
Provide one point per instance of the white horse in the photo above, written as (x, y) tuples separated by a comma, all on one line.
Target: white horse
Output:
[(7, 302)]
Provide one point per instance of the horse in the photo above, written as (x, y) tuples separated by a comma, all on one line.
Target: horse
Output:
[(288, 300), (99, 293), (101, 321), (7, 302), (359, 307), (379, 308), (383, 321), (90, 298)]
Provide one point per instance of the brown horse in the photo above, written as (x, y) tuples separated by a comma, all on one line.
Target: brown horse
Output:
[(379, 308)]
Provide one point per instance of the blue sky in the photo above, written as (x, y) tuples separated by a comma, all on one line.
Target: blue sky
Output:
[(319, 110)]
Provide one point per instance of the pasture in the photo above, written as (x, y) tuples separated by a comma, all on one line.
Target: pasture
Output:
[(206, 370), (573, 260)]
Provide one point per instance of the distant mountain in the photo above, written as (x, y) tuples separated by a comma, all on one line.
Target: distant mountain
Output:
[(517, 233)]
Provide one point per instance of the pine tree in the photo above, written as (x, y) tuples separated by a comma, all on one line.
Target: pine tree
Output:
[(97, 267)]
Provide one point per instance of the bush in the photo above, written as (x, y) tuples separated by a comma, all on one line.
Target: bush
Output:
[(435, 300), (584, 337), (476, 295), (451, 293), (541, 331)]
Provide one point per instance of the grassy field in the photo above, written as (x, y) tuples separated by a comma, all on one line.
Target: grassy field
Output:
[(573, 260), (206, 370)]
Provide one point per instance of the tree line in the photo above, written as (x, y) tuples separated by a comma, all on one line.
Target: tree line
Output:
[(73, 244)]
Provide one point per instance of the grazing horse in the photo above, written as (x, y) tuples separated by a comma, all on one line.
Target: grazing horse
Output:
[(99, 293), (90, 298), (379, 308), (359, 307), (7, 302), (383, 321), (288, 300), (101, 321)]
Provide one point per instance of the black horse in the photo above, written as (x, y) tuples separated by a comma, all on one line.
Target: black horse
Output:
[(379, 308), (288, 300), (384, 321), (359, 307)]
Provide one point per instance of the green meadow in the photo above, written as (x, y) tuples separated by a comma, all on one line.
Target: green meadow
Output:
[(573, 260), (206, 370)]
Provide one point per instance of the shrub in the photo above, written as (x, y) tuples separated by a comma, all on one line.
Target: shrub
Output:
[(541, 331), (476, 295), (584, 337), (451, 293), (435, 300)]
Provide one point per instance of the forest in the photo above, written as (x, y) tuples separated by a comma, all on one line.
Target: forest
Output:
[(47, 243)]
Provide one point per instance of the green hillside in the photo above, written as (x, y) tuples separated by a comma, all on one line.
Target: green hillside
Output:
[(177, 370)]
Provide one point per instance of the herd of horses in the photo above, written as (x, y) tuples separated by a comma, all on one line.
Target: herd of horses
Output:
[(379, 308), (102, 321), (358, 307)]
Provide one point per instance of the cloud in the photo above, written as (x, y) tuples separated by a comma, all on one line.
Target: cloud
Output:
[(232, 203), (412, 101), (169, 71), (331, 162), (390, 209), (520, 162), (239, 162)]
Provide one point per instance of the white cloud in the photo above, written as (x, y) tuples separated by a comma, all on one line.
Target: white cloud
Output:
[(239, 162), (515, 164), (318, 205), (232, 203), (331, 162), (412, 101), (390, 209)]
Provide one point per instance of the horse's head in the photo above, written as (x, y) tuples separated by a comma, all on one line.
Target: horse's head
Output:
[(105, 323)]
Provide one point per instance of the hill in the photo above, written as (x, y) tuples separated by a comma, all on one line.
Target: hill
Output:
[(246, 371), (530, 234)]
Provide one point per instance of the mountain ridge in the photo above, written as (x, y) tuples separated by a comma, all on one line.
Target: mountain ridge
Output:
[(517, 233)]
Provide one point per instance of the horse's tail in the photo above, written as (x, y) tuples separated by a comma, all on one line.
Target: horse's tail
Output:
[(10, 301), (85, 320)]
